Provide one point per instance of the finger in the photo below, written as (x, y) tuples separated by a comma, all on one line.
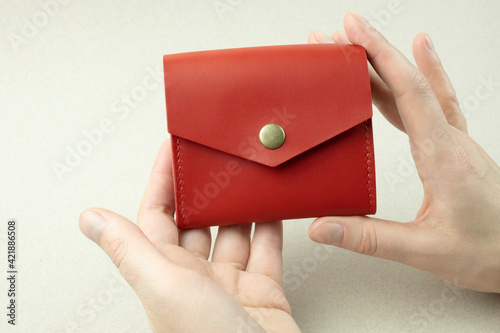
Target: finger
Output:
[(266, 250), (167, 291), (340, 37), (311, 39), (232, 245), (196, 241), (318, 37), (137, 258), (384, 100), (406, 243), (157, 206), (418, 107), (429, 63), (381, 95)]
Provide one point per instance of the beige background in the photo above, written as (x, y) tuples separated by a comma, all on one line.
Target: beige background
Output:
[(66, 76)]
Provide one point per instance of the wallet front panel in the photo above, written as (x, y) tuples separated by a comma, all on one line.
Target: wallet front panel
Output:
[(216, 188)]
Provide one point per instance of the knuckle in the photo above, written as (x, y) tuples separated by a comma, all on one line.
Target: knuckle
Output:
[(238, 265), (368, 240), (457, 119), (117, 250), (470, 165), (452, 109), (452, 99), (419, 81), (415, 84)]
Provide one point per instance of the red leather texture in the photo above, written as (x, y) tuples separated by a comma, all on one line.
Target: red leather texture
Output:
[(217, 102)]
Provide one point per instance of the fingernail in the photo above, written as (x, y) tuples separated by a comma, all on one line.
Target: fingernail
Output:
[(361, 19), (92, 224), (330, 233), (322, 37), (429, 43)]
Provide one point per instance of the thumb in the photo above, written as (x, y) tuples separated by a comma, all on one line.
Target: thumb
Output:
[(138, 260), (390, 240)]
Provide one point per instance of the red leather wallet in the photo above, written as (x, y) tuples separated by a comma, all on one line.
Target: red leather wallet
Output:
[(268, 133)]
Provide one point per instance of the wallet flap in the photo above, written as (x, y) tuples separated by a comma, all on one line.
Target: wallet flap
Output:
[(223, 98)]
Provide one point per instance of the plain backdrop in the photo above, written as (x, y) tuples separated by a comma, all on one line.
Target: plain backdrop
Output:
[(65, 68)]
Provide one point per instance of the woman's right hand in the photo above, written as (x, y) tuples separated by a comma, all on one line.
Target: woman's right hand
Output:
[(456, 232)]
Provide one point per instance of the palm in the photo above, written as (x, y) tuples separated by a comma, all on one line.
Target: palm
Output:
[(258, 294), (476, 168), (239, 287)]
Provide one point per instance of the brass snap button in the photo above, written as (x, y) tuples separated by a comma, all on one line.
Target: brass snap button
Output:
[(272, 136)]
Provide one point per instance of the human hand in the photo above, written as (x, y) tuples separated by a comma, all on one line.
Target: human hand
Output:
[(240, 290), (456, 232)]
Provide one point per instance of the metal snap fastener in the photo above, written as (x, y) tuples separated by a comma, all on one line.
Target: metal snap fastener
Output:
[(272, 136)]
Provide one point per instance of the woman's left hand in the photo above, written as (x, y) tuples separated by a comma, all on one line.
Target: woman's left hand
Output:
[(239, 290)]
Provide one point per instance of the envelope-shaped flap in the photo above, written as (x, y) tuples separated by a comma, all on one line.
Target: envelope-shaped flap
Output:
[(223, 98)]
